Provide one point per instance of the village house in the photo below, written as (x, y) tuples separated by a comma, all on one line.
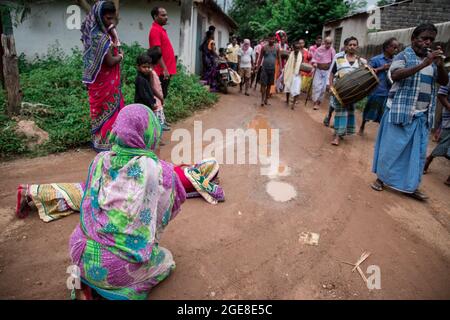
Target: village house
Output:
[(398, 20), (50, 24)]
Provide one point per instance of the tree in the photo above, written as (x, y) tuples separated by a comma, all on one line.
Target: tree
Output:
[(299, 18), (9, 67)]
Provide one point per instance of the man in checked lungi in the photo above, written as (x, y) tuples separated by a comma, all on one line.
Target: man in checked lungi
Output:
[(402, 141)]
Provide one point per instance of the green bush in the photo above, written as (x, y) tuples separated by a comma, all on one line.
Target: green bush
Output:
[(55, 81), (10, 142)]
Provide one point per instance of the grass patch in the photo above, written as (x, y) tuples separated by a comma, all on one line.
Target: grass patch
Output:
[(10, 142)]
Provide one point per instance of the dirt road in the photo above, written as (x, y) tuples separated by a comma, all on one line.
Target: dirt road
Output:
[(249, 247)]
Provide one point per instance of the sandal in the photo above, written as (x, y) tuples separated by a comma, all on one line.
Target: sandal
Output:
[(418, 195), (377, 185)]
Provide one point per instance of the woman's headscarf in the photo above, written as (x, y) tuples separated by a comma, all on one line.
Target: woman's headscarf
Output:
[(279, 34), (96, 42), (136, 132), (246, 45), (130, 194)]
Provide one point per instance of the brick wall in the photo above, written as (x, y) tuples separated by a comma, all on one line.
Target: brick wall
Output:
[(411, 14)]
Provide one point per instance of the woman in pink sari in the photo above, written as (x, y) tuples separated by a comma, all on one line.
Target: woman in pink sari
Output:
[(101, 74)]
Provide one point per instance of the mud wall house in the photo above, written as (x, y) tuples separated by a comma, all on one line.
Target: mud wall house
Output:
[(352, 25), (46, 27), (397, 20)]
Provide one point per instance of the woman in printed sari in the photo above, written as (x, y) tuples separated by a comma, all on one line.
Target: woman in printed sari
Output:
[(101, 73), (130, 198)]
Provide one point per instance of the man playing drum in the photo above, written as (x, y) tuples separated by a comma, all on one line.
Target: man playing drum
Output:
[(327, 119), (374, 108), (321, 60), (402, 141), (344, 62)]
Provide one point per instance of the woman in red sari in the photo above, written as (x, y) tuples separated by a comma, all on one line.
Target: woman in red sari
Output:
[(101, 74)]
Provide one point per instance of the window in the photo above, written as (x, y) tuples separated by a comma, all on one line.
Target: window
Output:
[(337, 39), (327, 33)]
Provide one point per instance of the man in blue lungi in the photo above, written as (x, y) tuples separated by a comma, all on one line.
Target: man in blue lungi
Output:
[(402, 140)]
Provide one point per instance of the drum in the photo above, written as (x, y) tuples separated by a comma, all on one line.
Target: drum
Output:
[(306, 67), (323, 66), (355, 85)]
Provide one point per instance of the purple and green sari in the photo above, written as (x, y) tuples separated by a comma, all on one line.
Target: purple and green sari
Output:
[(130, 198)]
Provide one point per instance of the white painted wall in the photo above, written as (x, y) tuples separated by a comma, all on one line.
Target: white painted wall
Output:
[(136, 20), (225, 32), (46, 26), (356, 27), (220, 25)]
